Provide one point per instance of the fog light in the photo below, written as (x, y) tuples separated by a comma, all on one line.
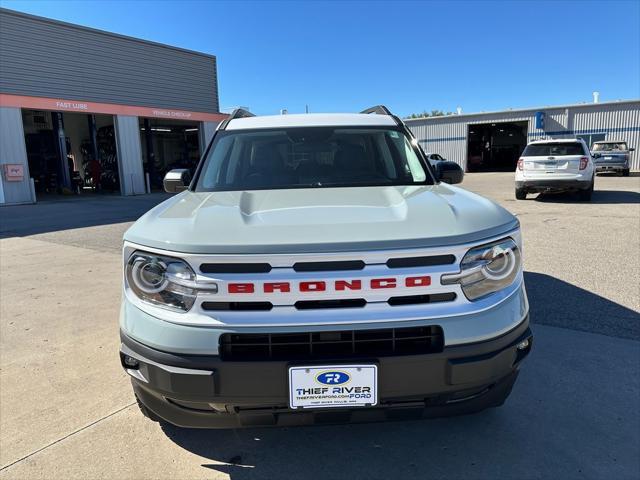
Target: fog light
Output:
[(130, 362), (523, 345)]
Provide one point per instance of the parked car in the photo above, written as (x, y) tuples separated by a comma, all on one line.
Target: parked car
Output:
[(434, 157), (441, 164), (555, 166), (612, 156), (317, 270)]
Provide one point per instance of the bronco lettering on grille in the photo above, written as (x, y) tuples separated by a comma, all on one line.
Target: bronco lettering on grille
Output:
[(321, 286)]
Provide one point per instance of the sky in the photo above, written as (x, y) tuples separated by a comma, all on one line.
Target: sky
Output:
[(411, 56)]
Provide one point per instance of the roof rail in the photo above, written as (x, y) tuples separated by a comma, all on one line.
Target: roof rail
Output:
[(237, 113), (379, 110)]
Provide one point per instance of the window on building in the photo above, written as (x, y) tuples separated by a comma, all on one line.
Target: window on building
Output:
[(590, 139)]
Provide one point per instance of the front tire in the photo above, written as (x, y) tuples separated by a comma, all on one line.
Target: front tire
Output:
[(625, 172), (521, 194)]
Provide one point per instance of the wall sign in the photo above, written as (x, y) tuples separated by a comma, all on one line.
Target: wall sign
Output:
[(13, 172), (64, 105)]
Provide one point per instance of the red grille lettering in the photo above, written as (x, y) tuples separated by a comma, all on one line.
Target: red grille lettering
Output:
[(313, 286), (279, 286), (241, 288), (418, 281), (383, 283), (350, 285), (338, 285)]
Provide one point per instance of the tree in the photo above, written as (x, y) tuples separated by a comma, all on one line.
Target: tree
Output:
[(425, 114)]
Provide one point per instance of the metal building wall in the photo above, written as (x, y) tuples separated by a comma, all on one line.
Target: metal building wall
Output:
[(13, 150), (207, 129), (448, 135), (46, 58), (618, 122)]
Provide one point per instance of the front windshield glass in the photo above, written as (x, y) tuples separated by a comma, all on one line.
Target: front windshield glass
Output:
[(610, 147), (312, 157)]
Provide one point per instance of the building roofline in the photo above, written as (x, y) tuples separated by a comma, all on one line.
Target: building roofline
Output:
[(102, 32), (547, 107)]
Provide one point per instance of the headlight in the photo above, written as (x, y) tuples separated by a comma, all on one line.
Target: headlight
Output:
[(487, 269), (164, 281)]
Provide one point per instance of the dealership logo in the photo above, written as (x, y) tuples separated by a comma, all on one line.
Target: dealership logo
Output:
[(335, 377)]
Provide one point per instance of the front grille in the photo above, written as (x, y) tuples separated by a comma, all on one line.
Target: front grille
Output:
[(236, 306), (416, 299), (431, 261), (328, 266), (330, 303), (235, 268), (331, 345), (316, 304)]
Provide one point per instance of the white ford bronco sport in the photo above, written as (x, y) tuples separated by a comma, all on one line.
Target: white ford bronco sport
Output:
[(318, 269)]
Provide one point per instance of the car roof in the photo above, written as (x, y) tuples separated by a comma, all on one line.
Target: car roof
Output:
[(557, 140), (611, 141), (311, 120)]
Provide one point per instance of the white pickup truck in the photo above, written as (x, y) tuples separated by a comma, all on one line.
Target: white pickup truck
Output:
[(318, 269)]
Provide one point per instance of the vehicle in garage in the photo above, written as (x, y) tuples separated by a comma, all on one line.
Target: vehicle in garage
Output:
[(612, 156), (555, 166), (316, 269)]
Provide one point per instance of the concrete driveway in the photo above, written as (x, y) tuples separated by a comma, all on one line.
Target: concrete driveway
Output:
[(67, 410)]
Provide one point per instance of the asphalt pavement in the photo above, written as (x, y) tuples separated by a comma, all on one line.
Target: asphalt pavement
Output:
[(67, 410)]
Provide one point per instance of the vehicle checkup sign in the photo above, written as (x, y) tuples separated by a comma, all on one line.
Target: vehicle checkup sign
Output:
[(333, 386)]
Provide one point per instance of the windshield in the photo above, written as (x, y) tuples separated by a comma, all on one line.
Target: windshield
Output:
[(610, 147), (553, 149), (310, 157)]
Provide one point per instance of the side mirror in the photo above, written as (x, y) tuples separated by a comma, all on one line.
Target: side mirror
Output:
[(632, 149), (449, 172), (596, 155), (177, 180)]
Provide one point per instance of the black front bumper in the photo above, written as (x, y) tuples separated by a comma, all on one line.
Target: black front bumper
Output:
[(206, 392)]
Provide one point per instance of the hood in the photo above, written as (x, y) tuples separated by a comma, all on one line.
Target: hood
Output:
[(320, 220)]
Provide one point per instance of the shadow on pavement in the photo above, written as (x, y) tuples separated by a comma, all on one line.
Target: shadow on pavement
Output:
[(599, 197), (558, 303), (74, 212), (552, 426)]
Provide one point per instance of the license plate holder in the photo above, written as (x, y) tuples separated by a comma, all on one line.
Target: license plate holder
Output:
[(332, 386)]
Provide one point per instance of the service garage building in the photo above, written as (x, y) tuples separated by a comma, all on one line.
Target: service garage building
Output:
[(91, 112), (485, 142)]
